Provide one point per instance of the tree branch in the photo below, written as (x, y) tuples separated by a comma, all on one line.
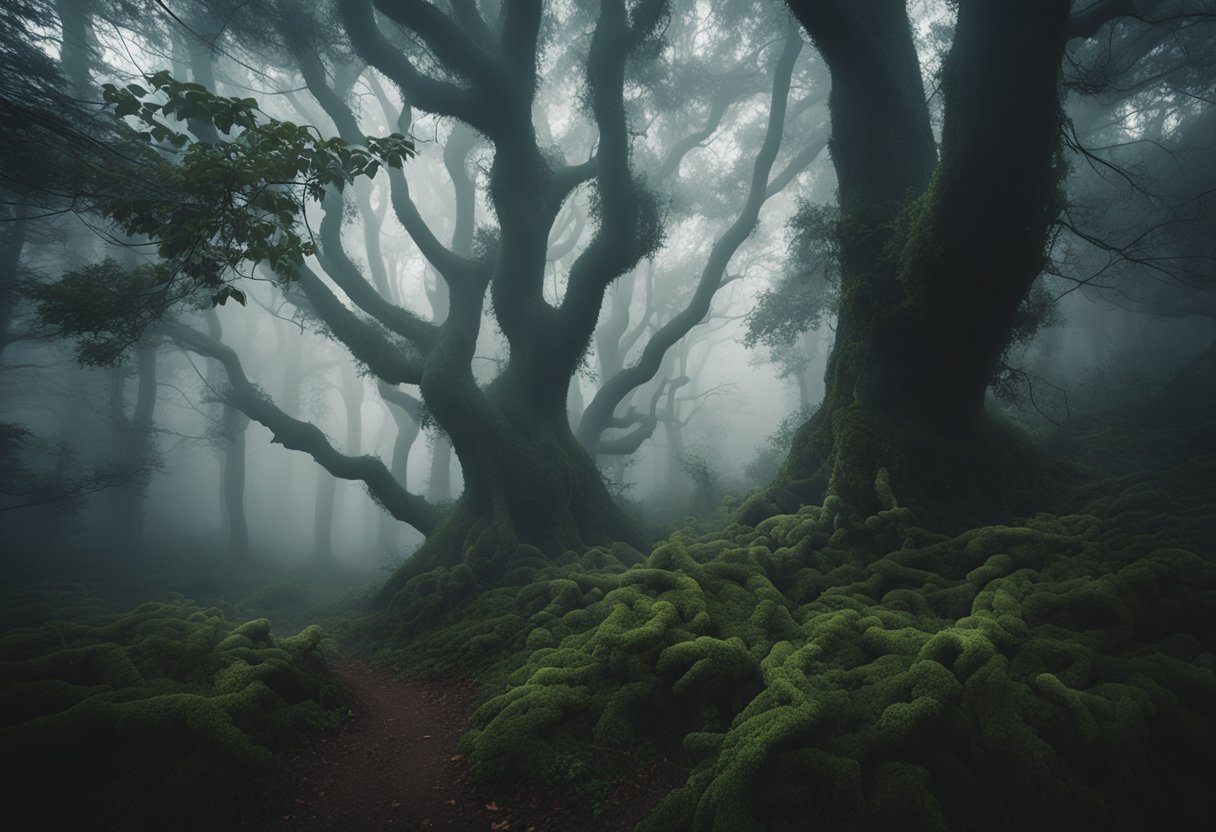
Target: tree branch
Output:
[(343, 271), (306, 437), (366, 342), (615, 389), (431, 94), (454, 49)]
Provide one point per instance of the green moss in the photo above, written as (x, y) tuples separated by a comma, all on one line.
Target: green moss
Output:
[(862, 673), (165, 717)]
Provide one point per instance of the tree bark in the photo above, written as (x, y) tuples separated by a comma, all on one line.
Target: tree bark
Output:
[(323, 519), (936, 255), (404, 410), (133, 442), (12, 242), (531, 491)]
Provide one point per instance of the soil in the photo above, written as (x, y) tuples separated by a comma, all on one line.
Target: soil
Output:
[(395, 765)]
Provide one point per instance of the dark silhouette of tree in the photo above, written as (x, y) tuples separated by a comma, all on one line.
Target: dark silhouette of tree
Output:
[(938, 250)]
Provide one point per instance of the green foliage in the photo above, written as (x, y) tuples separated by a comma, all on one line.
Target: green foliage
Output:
[(164, 717), (42, 474), (106, 307), (807, 287), (828, 670), (208, 209), (239, 199), (776, 447)]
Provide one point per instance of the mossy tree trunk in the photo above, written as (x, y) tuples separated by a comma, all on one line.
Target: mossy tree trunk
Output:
[(937, 252)]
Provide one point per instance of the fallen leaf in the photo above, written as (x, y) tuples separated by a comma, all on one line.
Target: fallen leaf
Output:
[(450, 802), (493, 807), (396, 804), (502, 824), (456, 757)]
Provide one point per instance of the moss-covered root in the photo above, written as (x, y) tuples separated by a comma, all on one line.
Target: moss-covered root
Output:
[(167, 717), (828, 672)]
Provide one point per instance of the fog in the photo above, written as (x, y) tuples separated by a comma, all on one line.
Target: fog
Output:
[(412, 303), (734, 399)]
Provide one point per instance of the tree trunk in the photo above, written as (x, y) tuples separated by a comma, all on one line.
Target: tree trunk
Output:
[(439, 486), (404, 411), (232, 477), (531, 493), (936, 255), (323, 519), (133, 445), (12, 242)]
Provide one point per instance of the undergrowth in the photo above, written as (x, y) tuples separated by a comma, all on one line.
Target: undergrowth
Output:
[(165, 717), (822, 671)]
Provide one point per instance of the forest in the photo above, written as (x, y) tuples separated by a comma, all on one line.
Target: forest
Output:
[(657, 415)]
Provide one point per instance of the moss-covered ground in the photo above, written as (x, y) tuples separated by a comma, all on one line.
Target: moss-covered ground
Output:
[(817, 669), (169, 716), (822, 670)]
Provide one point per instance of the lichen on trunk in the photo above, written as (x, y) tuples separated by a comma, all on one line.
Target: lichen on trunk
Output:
[(937, 255)]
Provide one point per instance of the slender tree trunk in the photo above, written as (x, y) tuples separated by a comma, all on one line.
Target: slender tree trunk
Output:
[(323, 519), (12, 242), (352, 401), (76, 50), (233, 472), (133, 444), (233, 425), (408, 431)]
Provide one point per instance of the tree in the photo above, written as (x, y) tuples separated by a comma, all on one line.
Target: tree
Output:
[(937, 250), (531, 489)]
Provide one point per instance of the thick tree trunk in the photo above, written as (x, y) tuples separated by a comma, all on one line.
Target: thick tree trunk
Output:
[(936, 255), (531, 493), (439, 485)]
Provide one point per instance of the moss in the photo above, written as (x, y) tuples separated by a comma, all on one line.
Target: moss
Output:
[(863, 673), (167, 716)]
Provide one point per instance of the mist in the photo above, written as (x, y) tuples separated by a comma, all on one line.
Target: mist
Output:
[(801, 412)]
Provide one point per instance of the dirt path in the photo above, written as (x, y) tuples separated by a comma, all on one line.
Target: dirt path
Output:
[(396, 765), (393, 765)]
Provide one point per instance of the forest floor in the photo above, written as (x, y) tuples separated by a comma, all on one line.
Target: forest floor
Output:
[(395, 764)]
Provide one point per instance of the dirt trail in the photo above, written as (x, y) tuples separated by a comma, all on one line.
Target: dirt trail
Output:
[(393, 765)]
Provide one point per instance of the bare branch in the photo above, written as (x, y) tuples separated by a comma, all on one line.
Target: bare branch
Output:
[(298, 435)]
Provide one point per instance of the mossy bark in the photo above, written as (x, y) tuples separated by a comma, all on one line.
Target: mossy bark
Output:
[(531, 494), (936, 254)]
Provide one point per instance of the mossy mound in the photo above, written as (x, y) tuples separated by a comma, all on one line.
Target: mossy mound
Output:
[(827, 671), (165, 717)]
